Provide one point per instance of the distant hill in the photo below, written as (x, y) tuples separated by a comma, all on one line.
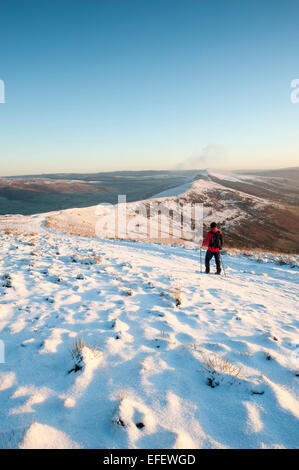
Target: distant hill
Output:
[(253, 211), (267, 208), (33, 194), (291, 173), (257, 209)]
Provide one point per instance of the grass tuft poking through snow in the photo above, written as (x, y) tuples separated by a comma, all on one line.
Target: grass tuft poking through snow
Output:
[(81, 353), (77, 354), (220, 370)]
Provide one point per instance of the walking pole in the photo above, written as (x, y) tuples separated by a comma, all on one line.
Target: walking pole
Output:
[(222, 263), (200, 261)]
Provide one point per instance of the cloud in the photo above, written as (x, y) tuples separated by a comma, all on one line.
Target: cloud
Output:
[(210, 156)]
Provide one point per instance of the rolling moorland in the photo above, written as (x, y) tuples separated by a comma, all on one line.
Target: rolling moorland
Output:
[(255, 210), (35, 194)]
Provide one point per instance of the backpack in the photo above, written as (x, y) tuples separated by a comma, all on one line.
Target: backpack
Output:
[(216, 241)]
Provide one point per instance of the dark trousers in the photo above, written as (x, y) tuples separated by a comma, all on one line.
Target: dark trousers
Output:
[(209, 256)]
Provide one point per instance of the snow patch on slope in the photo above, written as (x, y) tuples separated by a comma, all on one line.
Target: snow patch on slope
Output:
[(216, 370)]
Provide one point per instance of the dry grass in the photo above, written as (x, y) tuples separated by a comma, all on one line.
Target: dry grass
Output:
[(173, 294), (8, 231), (176, 295), (77, 355), (216, 364), (77, 348), (12, 439), (164, 335)]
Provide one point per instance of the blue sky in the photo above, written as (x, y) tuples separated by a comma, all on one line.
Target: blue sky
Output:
[(148, 84)]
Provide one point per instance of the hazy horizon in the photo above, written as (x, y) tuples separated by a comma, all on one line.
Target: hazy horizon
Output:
[(145, 170)]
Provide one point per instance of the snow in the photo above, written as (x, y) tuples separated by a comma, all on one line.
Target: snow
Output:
[(100, 355), (99, 219), (41, 436), (230, 176), (200, 186), (174, 192)]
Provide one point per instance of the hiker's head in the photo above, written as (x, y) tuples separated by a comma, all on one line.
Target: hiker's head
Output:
[(213, 225)]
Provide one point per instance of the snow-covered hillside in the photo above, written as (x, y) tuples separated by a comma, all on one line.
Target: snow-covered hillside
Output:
[(248, 208), (116, 344), (219, 202)]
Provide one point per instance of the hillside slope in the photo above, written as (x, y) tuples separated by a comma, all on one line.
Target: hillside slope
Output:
[(44, 193), (252, 210), (166, 357)]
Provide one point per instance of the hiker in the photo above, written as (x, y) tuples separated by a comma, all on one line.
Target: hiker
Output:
[(214, 241)]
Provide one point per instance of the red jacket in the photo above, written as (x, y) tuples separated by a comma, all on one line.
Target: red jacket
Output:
[(208, 240)]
